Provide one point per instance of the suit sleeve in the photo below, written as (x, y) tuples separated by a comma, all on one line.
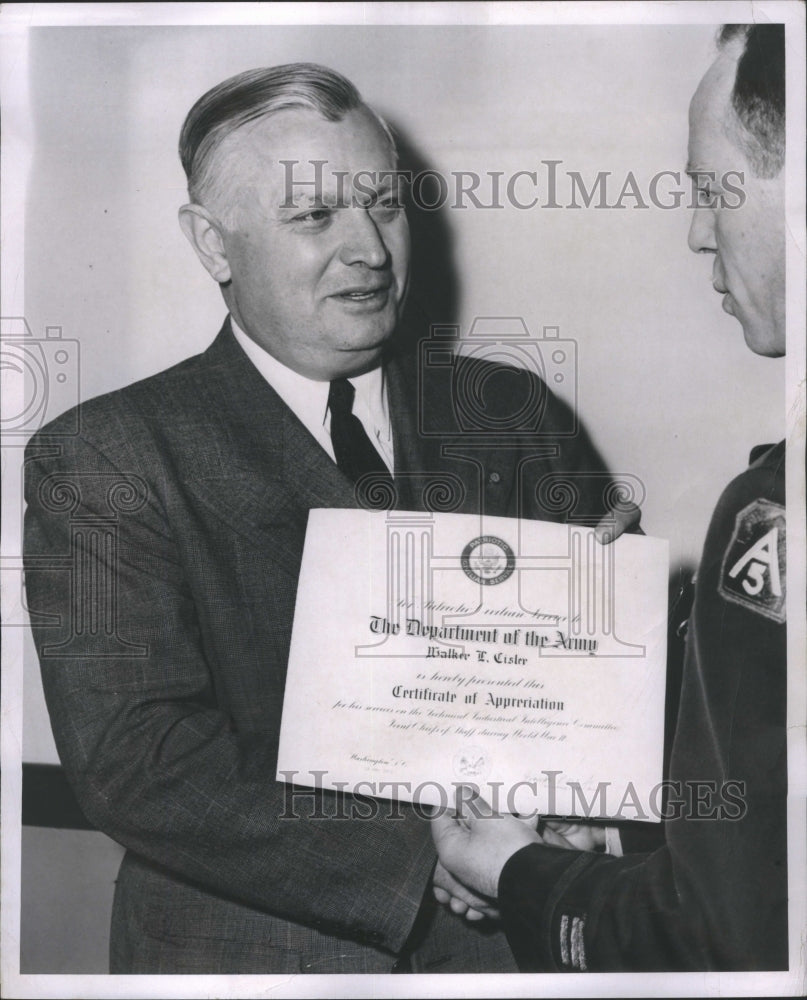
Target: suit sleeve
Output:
[(143, 730), (714, 896)]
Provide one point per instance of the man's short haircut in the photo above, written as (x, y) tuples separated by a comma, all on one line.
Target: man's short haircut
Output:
[(255, 94), (758, 97)]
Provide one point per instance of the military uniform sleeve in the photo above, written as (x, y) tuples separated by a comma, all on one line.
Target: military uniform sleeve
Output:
[(714, 897)]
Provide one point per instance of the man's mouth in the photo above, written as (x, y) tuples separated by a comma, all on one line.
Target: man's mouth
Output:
[(361, 294), (360, 298), (721, 289)]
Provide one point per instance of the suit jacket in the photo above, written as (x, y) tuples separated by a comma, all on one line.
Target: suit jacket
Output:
[(715, 896), (163, 544)]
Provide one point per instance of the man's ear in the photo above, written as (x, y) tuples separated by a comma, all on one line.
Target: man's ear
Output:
[(203, 235)]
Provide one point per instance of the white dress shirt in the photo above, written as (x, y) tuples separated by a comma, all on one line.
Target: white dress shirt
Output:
[(308, 399)]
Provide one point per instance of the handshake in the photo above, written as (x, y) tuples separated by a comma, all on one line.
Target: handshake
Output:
[(474, 843)]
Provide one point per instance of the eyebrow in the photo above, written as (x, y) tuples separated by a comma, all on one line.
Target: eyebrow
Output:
[(304, 199), (380, 190), (311, 201), (691, 170)]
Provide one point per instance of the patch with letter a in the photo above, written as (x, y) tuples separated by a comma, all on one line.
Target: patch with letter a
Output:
[(753, 571)]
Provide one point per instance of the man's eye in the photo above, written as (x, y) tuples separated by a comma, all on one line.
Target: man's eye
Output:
[(316, 216), (386, 210), (707, 195)]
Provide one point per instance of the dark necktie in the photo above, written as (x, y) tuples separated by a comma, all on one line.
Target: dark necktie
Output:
[(355, 454)]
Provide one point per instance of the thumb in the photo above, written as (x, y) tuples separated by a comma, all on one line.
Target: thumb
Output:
[(444, 827), (616, 522)]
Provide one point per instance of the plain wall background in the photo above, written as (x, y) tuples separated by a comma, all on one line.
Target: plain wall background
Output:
[(666, 386)]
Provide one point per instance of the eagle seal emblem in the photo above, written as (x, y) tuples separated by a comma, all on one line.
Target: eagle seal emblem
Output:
[(488, 560)]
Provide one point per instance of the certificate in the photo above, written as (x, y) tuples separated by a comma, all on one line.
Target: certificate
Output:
[(432, 651)]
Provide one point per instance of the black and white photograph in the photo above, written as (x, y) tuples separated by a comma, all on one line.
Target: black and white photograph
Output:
[(403, 481)]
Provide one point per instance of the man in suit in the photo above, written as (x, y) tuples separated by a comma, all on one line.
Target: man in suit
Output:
[(164, 540), (715, 895)]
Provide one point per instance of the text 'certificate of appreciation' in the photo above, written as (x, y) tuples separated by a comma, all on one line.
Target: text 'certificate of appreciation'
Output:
[(434, 650)]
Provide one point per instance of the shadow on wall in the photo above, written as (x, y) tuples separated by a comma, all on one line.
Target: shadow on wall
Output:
[(434, 283)]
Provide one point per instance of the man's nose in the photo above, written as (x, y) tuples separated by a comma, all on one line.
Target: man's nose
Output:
[(362, 242), (702, 231)]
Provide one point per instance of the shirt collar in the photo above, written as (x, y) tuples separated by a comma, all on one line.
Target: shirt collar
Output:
[(305, 397), (308, 398)]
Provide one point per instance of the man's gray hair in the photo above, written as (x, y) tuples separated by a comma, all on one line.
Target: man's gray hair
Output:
[(256, 94)]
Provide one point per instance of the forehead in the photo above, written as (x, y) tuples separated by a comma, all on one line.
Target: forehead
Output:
[(354, 143), (710, 114)]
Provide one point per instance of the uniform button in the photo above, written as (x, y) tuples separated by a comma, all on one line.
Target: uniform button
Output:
[(494, 478)]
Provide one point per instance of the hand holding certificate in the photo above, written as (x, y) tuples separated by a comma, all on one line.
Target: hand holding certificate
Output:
[(523, 657)]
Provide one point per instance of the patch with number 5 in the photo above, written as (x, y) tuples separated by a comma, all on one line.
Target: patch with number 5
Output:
[(753, 572)]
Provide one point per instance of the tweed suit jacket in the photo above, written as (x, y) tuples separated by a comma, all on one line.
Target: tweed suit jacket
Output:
[(163, 544)]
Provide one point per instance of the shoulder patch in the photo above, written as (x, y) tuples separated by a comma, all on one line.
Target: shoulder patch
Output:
[(753, 570)]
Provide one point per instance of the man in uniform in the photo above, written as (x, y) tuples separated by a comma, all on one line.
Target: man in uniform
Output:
[(164, 540), (715, 895)]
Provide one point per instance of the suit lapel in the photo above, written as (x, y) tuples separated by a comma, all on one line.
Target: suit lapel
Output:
[(254, 463), (433, 471), (417, 457)]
